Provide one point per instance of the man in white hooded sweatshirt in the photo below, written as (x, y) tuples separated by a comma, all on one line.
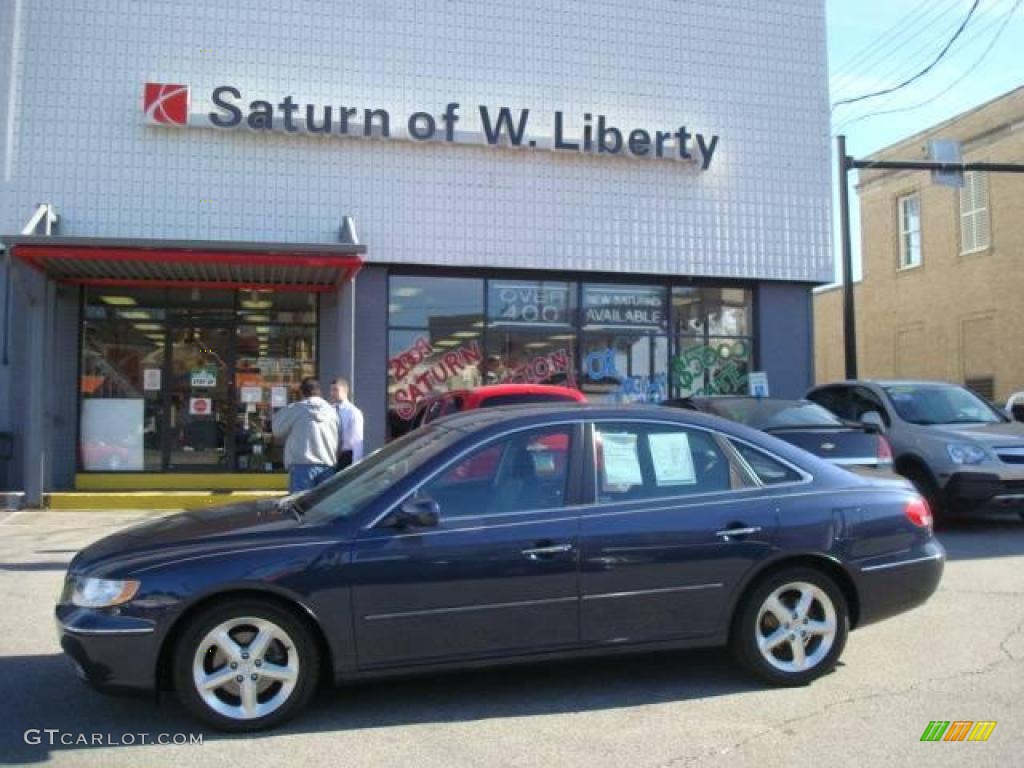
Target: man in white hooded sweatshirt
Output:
[(309, 428)]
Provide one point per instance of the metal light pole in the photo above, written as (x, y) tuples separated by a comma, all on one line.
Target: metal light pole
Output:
[(849, 312)]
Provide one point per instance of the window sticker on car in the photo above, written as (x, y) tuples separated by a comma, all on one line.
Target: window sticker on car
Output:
[(672, 458), (621, 459)]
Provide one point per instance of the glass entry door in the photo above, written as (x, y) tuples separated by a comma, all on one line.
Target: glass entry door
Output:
[(200, 404)]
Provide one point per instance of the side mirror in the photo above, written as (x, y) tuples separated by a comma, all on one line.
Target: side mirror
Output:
[(873, 419), (415, 513)]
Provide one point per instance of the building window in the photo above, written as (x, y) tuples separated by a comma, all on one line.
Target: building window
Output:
[(974, 217), (714, 341), (625, 346), (435, 341), (909, 208)]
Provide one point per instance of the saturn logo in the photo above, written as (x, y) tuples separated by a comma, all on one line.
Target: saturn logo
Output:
[(166, 104), (828, 446)]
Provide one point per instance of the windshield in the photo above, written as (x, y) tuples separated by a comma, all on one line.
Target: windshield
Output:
[(771, 414), (352, 489), (941, 404)]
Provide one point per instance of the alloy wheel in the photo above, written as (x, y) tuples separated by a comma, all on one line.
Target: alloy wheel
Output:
[(796, 627), (245, 668)]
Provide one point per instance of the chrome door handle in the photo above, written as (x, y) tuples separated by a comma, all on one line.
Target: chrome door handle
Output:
[(552, 549), (728, 533)]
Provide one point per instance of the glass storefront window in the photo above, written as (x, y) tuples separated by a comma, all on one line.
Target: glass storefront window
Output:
[(715, 366), (633, 307), (533, 304), (435, 341), (529, 357), (712, 311), (435, 303), (120, 386), (623, 368), (187, 379), (714, 343)]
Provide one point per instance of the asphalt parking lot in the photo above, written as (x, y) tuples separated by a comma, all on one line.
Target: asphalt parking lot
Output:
[(960, 657)]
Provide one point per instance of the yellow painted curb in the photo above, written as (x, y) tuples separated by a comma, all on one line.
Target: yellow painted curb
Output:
[(79, 500), (169, 481)]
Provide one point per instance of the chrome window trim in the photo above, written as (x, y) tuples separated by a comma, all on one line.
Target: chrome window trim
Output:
[(806, 478), (460, 455)]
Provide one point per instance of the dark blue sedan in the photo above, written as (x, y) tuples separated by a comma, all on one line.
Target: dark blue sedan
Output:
[(503, 535)]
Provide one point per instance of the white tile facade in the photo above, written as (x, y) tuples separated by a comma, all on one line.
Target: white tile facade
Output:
[(751, 71)]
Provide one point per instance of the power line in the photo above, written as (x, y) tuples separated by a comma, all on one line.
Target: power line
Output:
[(893, 102), (920, 74), (992, 43), (896, 30), (909, 58), (846, 75)]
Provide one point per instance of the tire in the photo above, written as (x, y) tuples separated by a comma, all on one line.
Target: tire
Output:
[(927, 487), (826, 624), (276, 683)]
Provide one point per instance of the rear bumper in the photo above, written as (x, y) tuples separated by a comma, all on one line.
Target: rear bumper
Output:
[(114, 654), (896, 583), (982, 492)]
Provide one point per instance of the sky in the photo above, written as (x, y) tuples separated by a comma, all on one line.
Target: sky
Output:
[(875, 44)]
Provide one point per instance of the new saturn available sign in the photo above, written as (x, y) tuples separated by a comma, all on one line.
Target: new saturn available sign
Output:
[(171, 104)]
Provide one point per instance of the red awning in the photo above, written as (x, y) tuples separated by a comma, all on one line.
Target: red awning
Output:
[(156, 263)]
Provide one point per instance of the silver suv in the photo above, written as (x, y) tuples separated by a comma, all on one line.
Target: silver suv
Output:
[(961, 452)]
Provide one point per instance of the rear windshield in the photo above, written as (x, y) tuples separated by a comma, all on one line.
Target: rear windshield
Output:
[(771, 414), (490, 402)]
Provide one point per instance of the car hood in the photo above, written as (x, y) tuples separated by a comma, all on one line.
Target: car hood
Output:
[(189, 533), (1002, 433)]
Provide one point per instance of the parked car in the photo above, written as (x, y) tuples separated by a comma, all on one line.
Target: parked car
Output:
[(598, 530), (804, 424), (494, 395), (961, 452), (489, 396)]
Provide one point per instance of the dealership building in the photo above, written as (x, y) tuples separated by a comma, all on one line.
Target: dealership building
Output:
[(204, 203)]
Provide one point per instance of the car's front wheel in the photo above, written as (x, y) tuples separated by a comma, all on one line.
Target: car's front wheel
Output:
[(792, 628), (245, 665)]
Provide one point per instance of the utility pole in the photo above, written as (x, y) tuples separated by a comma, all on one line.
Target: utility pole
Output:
[(845, 164), (849, 310)]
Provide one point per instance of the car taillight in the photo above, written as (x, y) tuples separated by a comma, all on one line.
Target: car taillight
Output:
[(918, 512), (884, 451)]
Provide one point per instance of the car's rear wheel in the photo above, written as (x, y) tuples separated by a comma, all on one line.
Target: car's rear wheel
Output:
[(245, 665), (792, 628)]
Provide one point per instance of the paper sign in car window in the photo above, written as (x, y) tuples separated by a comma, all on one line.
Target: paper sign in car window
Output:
[(672, 458), (621, 459)]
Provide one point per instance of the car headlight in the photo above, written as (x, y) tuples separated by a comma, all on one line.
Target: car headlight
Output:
[(965, 453), (102, 593)]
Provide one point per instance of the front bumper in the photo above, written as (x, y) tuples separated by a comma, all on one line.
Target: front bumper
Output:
[(983, 492), (893, 584), (114, 653)]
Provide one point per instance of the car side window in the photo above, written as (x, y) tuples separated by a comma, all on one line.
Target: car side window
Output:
[(864, 400), (835, 399), (650, 461), (521, 472), (769, 471)]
